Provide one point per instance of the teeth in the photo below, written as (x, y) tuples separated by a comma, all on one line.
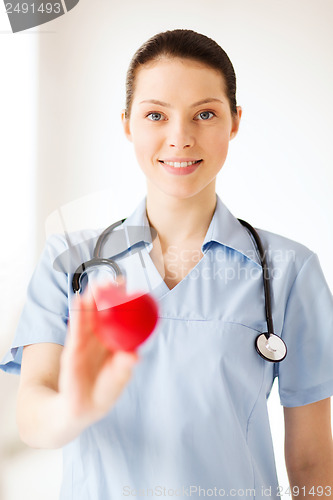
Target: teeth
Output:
[(177, 164)]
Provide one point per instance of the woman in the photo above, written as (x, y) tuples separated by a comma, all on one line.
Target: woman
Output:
[(188, 416)]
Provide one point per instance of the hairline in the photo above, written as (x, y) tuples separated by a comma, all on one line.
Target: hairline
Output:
[(169, 56)]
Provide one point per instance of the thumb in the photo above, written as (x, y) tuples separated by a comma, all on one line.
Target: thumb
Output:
[(114, 376), (122, 366)]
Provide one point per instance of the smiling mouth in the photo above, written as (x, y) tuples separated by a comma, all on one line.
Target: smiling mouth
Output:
[(182, 164)]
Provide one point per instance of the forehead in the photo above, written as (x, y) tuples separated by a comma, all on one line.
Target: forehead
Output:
[(177, 77)]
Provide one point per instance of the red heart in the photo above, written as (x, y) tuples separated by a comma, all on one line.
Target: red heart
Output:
[(124, 321)]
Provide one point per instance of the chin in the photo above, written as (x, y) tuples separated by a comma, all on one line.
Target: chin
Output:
[(181, 193)]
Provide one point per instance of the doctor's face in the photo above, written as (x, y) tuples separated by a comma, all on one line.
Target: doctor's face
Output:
[(180, 125)]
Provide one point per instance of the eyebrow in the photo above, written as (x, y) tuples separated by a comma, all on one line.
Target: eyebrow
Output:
[(198, 103)]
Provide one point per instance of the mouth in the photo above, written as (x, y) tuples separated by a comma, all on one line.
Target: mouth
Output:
[(180, 164), (183, 167)]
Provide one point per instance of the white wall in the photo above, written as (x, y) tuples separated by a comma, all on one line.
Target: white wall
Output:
[(279, 171), (18, 140), (18, 152)]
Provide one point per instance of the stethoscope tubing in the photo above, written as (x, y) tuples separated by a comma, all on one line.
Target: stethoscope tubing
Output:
[(273, 348), (265, 275)]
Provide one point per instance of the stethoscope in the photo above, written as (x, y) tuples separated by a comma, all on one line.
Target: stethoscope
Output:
[(269, 346)]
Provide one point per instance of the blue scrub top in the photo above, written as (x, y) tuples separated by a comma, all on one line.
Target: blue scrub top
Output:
[(193, 420)]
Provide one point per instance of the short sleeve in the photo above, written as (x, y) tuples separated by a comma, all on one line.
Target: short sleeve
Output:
[(45, 314), (306, 374)]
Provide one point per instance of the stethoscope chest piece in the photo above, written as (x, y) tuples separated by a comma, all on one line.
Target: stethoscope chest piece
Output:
[(271, 347)]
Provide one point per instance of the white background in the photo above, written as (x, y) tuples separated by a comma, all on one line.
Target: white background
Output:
[(62, 90)]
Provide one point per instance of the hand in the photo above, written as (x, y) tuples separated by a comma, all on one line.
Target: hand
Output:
[(91, 377)]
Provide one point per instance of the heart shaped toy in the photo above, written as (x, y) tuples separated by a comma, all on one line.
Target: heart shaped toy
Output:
[(124, 321)]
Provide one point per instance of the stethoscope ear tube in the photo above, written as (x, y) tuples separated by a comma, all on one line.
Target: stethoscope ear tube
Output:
[(105, 234), (82, 270), (268, 345), (265, 275)]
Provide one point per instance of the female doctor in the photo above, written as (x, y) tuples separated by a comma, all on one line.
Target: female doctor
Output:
[(187, 415)]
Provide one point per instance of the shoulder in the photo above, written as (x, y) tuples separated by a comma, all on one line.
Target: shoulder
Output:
[(283, 252), (66, 252)]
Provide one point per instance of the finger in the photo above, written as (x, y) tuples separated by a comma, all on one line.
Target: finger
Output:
[(88, 352), (114, 376), (84, 318)]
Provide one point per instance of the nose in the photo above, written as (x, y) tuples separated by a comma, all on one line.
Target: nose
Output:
[(180, 135)]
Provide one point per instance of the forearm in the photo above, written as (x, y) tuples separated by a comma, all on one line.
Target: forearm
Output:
[(309, 450), (313, 481), (44, 421)]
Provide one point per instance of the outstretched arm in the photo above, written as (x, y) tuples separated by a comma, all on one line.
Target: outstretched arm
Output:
[(63, 390)]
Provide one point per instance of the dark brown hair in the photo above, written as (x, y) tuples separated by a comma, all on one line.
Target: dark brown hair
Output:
[(186, 44)]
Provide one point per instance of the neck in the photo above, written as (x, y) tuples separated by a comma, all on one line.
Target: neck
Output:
[(178, 220)]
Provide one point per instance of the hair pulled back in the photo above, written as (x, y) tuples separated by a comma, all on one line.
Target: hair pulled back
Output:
[(185, 44)]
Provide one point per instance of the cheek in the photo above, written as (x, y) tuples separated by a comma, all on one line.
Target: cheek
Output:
[(146, 144), (218, 142), (144, 151), (139, 139)]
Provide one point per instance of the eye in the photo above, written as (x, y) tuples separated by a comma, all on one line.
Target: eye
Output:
[(155, 117), (205, 115)]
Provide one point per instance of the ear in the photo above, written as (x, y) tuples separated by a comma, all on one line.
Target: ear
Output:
[(236, 122), (126, 125)]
